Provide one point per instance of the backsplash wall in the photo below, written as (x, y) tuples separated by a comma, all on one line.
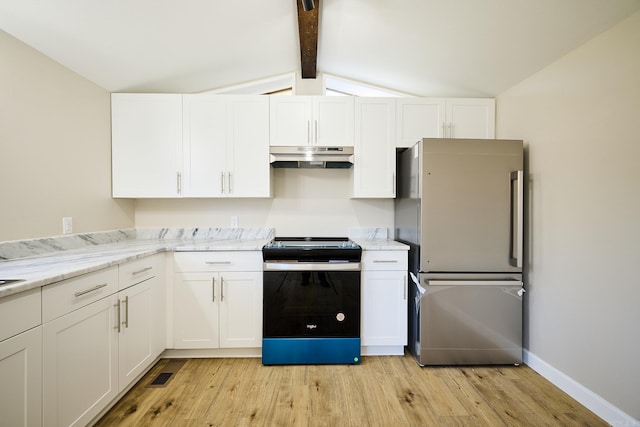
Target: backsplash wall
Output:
[(305, 202)]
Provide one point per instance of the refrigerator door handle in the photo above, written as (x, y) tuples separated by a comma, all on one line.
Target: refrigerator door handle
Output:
[(517, 217), (475, 282)]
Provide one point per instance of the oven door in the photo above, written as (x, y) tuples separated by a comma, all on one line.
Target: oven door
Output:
[(311, 300)]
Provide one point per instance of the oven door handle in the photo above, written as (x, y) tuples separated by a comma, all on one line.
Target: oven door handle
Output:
[(310, 266)]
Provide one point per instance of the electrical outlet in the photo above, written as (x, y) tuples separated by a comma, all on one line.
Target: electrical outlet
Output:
[(67, 225), (234, 221)]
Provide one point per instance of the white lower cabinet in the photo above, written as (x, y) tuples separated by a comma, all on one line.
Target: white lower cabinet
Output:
[(384, 302), (21, 384), (97, 341), (214, 306)]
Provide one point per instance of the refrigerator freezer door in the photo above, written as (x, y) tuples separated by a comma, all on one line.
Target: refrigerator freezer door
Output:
[(467, 214), (470, 324)]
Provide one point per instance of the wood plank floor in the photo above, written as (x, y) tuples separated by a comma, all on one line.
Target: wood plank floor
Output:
[(381, 391)]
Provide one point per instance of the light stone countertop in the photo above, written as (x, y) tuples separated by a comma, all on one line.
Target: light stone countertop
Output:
[(381, 245), (44, 268)]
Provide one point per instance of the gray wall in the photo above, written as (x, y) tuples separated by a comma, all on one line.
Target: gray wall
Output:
[(580, 119), (55, 149)]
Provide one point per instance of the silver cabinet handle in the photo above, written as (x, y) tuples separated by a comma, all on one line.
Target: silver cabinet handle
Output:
[(222, 182), (308, 132), (385, 260), (117, 306), (217, 262), (126, 312), (316, 131), (221, 289), (144, 270), (393, 184), (86, 291), (229, 179), (213, 289), (405, 287), (179, 182)]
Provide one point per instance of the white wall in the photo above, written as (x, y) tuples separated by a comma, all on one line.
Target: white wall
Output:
[(55, 142), (580, 119), (306, 202)]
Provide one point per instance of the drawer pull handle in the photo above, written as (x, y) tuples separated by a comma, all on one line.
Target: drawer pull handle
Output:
[(217, 262), (385, 260), (86, 291), (144, 270)]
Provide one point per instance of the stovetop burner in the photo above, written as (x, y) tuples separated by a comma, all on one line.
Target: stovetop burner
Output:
[(312, 249)]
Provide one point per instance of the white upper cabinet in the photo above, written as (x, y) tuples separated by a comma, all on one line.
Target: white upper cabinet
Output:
[(471, 118), (146, 144), (419, 118), (167, 145), (374, 169), (226, 146), (311, 120)]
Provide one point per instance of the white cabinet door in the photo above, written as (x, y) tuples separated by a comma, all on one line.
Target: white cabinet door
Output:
[(136, 330), (248, 169), (218, 310), (333, 121), (240, 310), (444, 118), (226, 146), (311, 120), (374, 166), (419, 118), (146, 144), (384, 308), (205, 145), (290, 120), (196, 310), (21, 384), (470, 118), (80, 363)]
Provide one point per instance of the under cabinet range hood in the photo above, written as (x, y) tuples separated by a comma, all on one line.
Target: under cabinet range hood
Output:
[(311, 157)]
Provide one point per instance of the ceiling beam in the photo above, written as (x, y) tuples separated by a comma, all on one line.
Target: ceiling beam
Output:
[(308, 33)]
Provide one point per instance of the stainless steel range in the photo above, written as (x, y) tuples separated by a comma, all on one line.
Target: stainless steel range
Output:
[(311, 301)]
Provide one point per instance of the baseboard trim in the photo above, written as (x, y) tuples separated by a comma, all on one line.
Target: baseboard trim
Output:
[(595, 403)]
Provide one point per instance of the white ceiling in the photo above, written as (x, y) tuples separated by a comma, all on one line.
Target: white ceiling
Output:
[(423, 47)]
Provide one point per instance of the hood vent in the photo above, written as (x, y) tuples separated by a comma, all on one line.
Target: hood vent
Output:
[(311, 157)]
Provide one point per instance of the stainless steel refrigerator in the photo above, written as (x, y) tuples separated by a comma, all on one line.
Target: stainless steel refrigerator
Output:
[(459, 207)]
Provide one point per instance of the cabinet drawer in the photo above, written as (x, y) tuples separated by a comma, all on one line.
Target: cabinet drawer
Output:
[(68, 295), (137, 271), (19, 312), (218, 261), (384, 260)]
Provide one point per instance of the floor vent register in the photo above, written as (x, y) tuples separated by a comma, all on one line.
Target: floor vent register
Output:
[(168, 371)]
